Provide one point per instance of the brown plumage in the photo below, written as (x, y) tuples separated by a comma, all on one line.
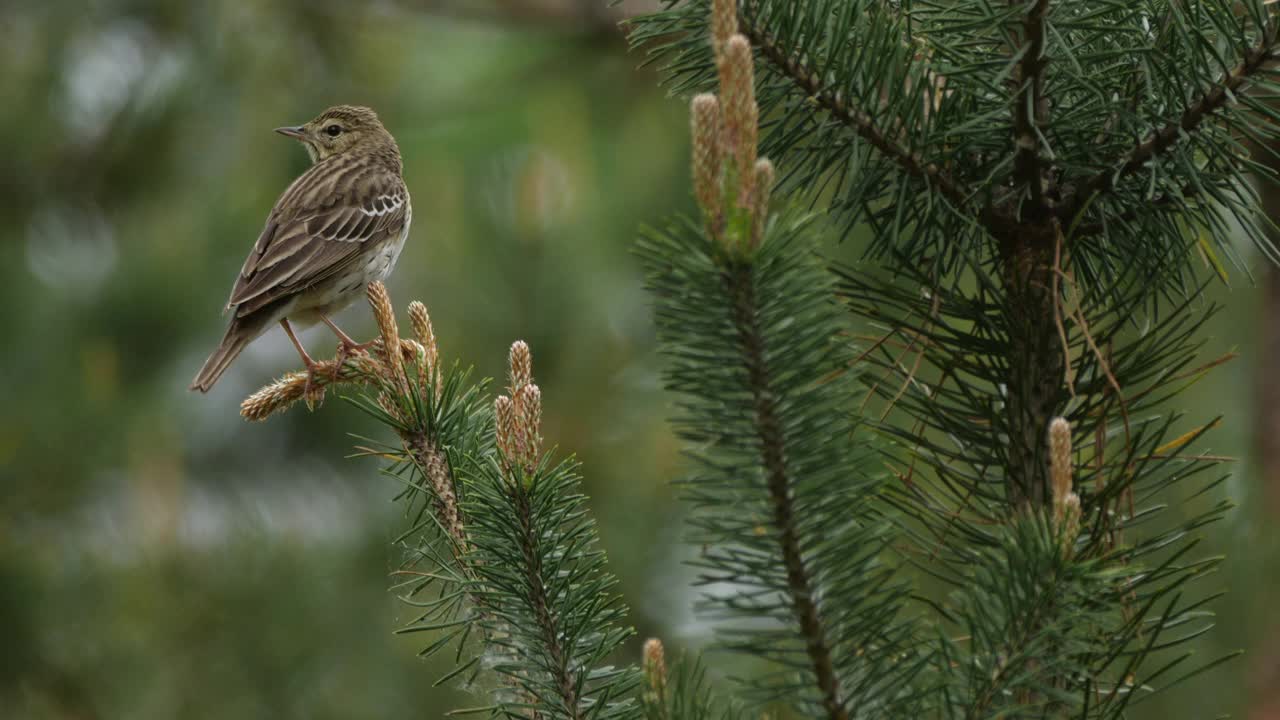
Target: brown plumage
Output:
[(337, 228)]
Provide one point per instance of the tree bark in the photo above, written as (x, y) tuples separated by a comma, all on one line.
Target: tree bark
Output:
[(1035, 372)]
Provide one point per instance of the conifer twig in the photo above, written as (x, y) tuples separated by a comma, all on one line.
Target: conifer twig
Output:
[(384, 366), (773, 454), (860, 121), (1192, 117), (406, 376), (358, 368), (548, 624), (749, 181)]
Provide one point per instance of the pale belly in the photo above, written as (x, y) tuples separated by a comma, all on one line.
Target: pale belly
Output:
[(340, 291)]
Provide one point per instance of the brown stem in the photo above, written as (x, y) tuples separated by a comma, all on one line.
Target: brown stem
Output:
[(1031, 108), (1035, 361), (773, 457), (807, 79), (433, 464)]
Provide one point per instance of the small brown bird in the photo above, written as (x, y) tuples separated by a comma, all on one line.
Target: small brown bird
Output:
[(337, 228)]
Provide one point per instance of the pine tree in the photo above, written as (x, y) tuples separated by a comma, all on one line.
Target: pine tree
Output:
[(1040, 182), (945, 481)]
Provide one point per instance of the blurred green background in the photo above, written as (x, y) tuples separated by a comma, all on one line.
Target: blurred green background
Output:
[(161, 558)]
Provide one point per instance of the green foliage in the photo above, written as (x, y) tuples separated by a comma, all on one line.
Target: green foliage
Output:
[(936, 365), (435, 583), (1030, 280), (784, 487), (1045, 631), (900, 115), (937, 361), (1033, 619), (549, 610), (1040, 180), (903, 118), (496, 551)]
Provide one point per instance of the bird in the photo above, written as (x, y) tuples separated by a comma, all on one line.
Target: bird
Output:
[(338, 227)]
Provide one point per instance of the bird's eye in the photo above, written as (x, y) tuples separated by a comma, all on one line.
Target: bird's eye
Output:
[(334, 130)]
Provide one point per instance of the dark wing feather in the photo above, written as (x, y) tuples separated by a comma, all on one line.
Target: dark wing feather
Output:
[(316, 230)]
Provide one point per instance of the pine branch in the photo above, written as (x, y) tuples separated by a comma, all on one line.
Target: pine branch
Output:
[(550, 603), (385, 369), (1192, 117), (860, 121), (784, 487), (509, 548), (433, 463), (1031, 107), (546, 580), (1132, 94), (748, 317), (773, 454), (547, 624)]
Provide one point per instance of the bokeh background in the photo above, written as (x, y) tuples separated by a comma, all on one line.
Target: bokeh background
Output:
[(161, 558)]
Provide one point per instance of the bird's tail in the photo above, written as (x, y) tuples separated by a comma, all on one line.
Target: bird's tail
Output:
[(240, 333)]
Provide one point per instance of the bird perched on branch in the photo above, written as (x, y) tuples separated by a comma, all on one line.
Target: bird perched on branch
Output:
[(338, 227)]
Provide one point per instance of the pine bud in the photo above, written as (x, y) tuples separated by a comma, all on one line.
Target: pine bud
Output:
[(385, 314), (505, 420), (529, 407), (655, 669), (760, 203), (708, 155), (741, 116), (421, 323), (276, 397), (1070, 520), (724, 24), (521, 367), (1060, 463)]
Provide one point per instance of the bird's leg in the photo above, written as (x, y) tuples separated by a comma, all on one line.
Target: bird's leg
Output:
[(346, 345), (344, 338), (306, 359)]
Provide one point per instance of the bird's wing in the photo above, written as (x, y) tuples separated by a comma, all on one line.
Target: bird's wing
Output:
[(315, 231)]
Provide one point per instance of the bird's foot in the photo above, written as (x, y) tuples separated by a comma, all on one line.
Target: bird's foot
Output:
[(312, 390), (346, 349)]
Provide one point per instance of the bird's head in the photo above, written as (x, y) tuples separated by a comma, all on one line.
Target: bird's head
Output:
[(340, 130)]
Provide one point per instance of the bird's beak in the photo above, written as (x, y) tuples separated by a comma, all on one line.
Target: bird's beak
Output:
[(293, 132)]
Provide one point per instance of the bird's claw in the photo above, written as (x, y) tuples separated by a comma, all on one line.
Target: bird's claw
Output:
[(346, 350), (312, 391)]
